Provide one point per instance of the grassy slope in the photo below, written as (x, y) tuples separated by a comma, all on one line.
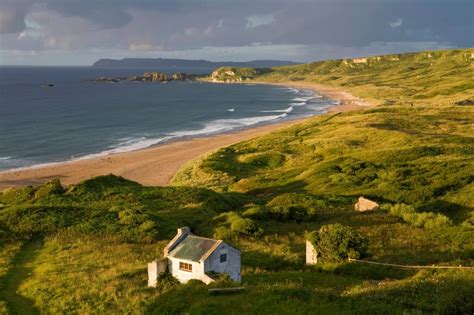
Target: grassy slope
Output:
[(417, 148)]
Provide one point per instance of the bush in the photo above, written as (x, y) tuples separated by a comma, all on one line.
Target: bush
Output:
[(428, 220), (287, 213), (237, 225), (336, 243), (256, 212), (53, 187)]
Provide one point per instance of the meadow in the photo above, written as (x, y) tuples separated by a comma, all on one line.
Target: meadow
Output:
[(83, 249)]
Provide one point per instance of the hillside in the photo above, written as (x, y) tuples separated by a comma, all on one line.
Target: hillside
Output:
[(84, 248), (429, 78)]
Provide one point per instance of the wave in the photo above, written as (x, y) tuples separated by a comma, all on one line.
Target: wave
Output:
[(212, 127), (285, 88), (286, 110), (222, 125), (302, 98), (128, 145)]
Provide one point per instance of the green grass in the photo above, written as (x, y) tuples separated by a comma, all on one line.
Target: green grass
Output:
[(263, 195), (16, 275)]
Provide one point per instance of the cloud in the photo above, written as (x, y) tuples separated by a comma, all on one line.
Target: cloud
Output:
[(156, 26), (259, 20), (141, 47), (396, 23), (12, 18)]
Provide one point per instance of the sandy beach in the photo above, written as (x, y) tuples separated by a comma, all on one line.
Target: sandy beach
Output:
[(157, 165)]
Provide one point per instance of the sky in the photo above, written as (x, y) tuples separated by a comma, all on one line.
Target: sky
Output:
[(79, 32)]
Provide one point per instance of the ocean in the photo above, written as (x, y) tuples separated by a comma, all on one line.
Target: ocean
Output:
[(78, 119)]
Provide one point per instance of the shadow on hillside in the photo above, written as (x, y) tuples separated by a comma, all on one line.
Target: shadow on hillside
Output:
[(16, 275), (437, 295), (272, 191), (257, 259)]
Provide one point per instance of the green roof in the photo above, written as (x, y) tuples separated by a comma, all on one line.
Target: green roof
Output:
[(192, 248)]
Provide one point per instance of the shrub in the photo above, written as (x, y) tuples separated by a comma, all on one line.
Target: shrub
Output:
[(256, 212), (52, 187), (244, 226), (237, 225), (428, 220), (287, 213), (336, 243)]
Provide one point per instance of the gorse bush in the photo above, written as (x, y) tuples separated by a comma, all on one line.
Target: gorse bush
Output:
[(288, 213), (236, 225), (53, 187), (336, 243), (428, 220)]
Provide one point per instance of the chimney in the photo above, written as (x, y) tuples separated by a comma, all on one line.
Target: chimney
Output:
[(181, 234)]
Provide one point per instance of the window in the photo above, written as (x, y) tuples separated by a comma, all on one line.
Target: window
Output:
[(223, 258), (185, 266)]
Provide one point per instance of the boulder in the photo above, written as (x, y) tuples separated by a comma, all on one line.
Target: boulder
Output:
[(364, 204)]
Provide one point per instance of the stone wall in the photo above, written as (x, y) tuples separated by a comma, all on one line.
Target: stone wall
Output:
[(155, 269), (311, 254)]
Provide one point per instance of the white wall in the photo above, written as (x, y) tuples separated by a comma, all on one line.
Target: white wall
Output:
[(231, 266), (185, 276)]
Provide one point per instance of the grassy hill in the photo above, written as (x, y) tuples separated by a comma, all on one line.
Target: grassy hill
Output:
[(430, 78), (84, 248)]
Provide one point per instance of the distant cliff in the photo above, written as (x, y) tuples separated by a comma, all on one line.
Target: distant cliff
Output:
[(181, 63)]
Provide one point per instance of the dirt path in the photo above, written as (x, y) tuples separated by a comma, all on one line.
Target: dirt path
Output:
[(19, 272)]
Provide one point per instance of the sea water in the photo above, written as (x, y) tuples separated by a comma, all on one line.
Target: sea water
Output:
[(77, 119)]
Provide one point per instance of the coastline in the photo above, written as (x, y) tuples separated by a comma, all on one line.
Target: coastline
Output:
[(158, 164)]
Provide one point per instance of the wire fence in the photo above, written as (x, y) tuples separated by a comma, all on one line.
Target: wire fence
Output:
[(409, 266)]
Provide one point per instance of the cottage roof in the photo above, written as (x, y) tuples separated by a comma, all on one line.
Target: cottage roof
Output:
[(194, 248)]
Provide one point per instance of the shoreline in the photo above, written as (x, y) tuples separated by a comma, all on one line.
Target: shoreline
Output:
[(156, 165)]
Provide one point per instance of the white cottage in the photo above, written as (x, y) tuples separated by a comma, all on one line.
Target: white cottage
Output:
[(188, 256)]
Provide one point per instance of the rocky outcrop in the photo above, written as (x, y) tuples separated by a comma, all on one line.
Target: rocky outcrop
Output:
[(364, 204), (179, 76), (235, 75), (148, 77), (107, 80)]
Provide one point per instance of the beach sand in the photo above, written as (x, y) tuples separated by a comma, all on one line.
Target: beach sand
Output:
[(157, 165)]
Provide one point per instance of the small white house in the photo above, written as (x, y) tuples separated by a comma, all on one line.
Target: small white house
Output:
[(188, 256)]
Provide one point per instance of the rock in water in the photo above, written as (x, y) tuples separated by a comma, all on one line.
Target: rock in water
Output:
[(364, 204), (179, 76)]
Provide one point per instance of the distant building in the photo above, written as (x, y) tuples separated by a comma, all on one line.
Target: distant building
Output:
[(193, 257), (311, 254)]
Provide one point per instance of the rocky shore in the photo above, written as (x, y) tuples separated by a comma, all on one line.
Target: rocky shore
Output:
[(149, 77)]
